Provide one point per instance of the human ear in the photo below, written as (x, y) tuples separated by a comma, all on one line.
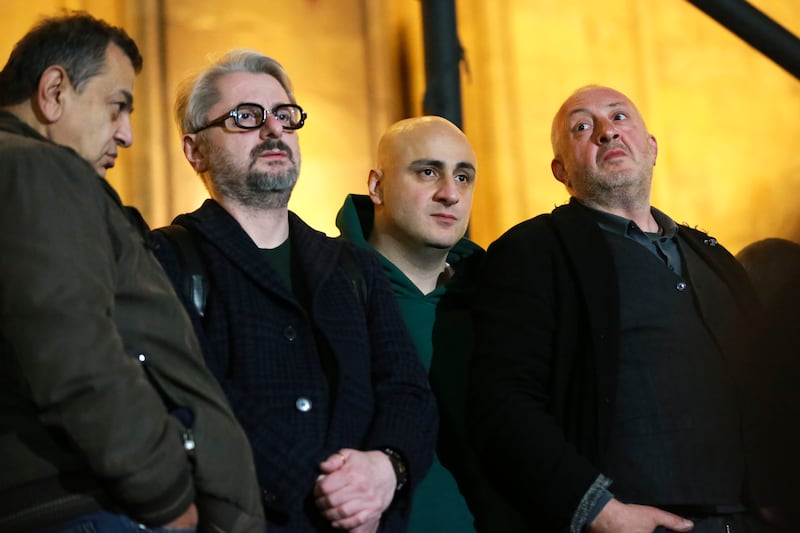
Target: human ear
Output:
[(374, 186), (654, 144), (195, 154), (560, 173), (50, 93)]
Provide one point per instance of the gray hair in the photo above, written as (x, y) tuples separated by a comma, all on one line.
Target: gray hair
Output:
[(199, 93)]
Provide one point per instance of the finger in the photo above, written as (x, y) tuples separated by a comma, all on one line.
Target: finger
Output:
[(354, 521), (673, 521), (333, 462)]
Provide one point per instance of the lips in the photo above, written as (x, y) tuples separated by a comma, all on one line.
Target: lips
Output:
[(613, 153), (444, 217)]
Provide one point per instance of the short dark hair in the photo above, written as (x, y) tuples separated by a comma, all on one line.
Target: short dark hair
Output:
[(76, 41)]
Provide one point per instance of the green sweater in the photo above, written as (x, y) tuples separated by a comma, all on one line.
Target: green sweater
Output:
[(439, 324)]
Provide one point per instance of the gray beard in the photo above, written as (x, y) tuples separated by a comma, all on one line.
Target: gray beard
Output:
[(250, 187)]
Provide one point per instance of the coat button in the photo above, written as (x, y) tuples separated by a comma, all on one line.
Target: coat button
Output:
[(303, 405), (681, 286), (289, 333)]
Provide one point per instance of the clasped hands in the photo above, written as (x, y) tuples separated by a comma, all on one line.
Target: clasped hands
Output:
[(354, 489)]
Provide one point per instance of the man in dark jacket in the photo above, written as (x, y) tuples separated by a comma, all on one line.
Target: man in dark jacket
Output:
[(415, 219), (605, 386), (108, 417), (300, 329)]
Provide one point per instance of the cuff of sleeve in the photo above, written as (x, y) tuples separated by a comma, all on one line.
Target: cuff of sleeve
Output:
[(591, 504), (168, 506)]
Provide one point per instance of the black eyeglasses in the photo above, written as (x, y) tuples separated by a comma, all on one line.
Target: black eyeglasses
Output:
[(253, 116)]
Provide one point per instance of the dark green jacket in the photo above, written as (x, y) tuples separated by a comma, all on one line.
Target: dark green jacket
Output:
[(439, 324), (96, 351)]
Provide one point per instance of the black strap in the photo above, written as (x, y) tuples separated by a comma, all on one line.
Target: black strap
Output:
[(354, 274), (195, 273)]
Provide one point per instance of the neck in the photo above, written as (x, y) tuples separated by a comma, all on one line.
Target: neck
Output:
[(26, 114), (269, 228), (422, 265)]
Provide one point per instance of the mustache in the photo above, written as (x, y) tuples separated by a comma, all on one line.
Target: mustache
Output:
[(612, 146), (272, 144)]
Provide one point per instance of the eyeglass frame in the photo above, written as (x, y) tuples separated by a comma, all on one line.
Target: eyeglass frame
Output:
[(220, 121)]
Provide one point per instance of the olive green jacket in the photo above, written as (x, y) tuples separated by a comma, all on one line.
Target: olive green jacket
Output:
[(105, 402)]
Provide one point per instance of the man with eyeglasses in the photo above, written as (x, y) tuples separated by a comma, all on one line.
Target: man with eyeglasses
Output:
[(301, 330), (109, 421)]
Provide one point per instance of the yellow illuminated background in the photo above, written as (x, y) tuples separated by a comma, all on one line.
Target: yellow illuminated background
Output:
[(727, 118)]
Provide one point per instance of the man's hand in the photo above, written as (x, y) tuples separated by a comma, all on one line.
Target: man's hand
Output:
[(188, 520), (618, 517), (354, 489)]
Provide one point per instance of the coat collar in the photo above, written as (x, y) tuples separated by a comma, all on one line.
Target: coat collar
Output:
[(314, 253)]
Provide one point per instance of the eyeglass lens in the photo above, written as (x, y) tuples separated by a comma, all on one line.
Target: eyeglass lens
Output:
[(253, 115)]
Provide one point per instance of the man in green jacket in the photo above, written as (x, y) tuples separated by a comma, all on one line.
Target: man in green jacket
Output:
[(109, 420), (415, 218)]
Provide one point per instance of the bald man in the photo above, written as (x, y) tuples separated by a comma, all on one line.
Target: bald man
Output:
[(415, 218), (608, 345)]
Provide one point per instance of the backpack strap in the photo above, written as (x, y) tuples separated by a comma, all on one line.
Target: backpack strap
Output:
[(195, 273), (354, 273)]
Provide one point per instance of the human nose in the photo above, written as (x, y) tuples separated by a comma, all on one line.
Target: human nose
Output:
[(606, 131), (272, 127), (123, 135), (447, 193)]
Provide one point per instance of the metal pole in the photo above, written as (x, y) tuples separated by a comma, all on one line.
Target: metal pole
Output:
[(757, 29), (443, 55)]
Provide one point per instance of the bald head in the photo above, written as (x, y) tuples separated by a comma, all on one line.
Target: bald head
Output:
[(403, 136)]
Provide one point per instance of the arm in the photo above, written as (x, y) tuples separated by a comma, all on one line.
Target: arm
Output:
[(526, 317), (404, 417), (58, 302)]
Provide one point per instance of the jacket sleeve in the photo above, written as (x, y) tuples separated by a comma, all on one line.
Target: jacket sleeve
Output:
[(58, 270), (512, 416), (406, 416)]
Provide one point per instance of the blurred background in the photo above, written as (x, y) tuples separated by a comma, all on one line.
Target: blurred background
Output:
[(727, 118)]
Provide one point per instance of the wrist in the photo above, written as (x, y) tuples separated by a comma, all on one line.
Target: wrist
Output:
[(399, 466)]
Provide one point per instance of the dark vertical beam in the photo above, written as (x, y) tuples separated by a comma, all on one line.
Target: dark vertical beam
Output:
[(443, 55), (757, 29)]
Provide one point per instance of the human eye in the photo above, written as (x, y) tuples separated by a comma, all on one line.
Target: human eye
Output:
[(118, 108), (463, 177), (581, 126), (620, 116), (248, 116), (427, 172)]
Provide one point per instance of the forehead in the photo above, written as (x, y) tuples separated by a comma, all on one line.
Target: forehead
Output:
[(433, 141), (240, 87), (594, 101)]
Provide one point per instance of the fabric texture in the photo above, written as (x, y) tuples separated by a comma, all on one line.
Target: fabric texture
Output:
[(547, 325), (439, 324), (263, 344), (96, 352)]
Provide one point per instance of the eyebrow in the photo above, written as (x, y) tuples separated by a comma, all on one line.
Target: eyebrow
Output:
[(128, 99), (440, 164)]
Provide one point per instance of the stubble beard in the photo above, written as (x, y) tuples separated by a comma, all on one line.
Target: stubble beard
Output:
[(251, 187), (624, 188)]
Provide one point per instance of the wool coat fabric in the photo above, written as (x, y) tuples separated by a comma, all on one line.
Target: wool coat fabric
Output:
[(262, 342)]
